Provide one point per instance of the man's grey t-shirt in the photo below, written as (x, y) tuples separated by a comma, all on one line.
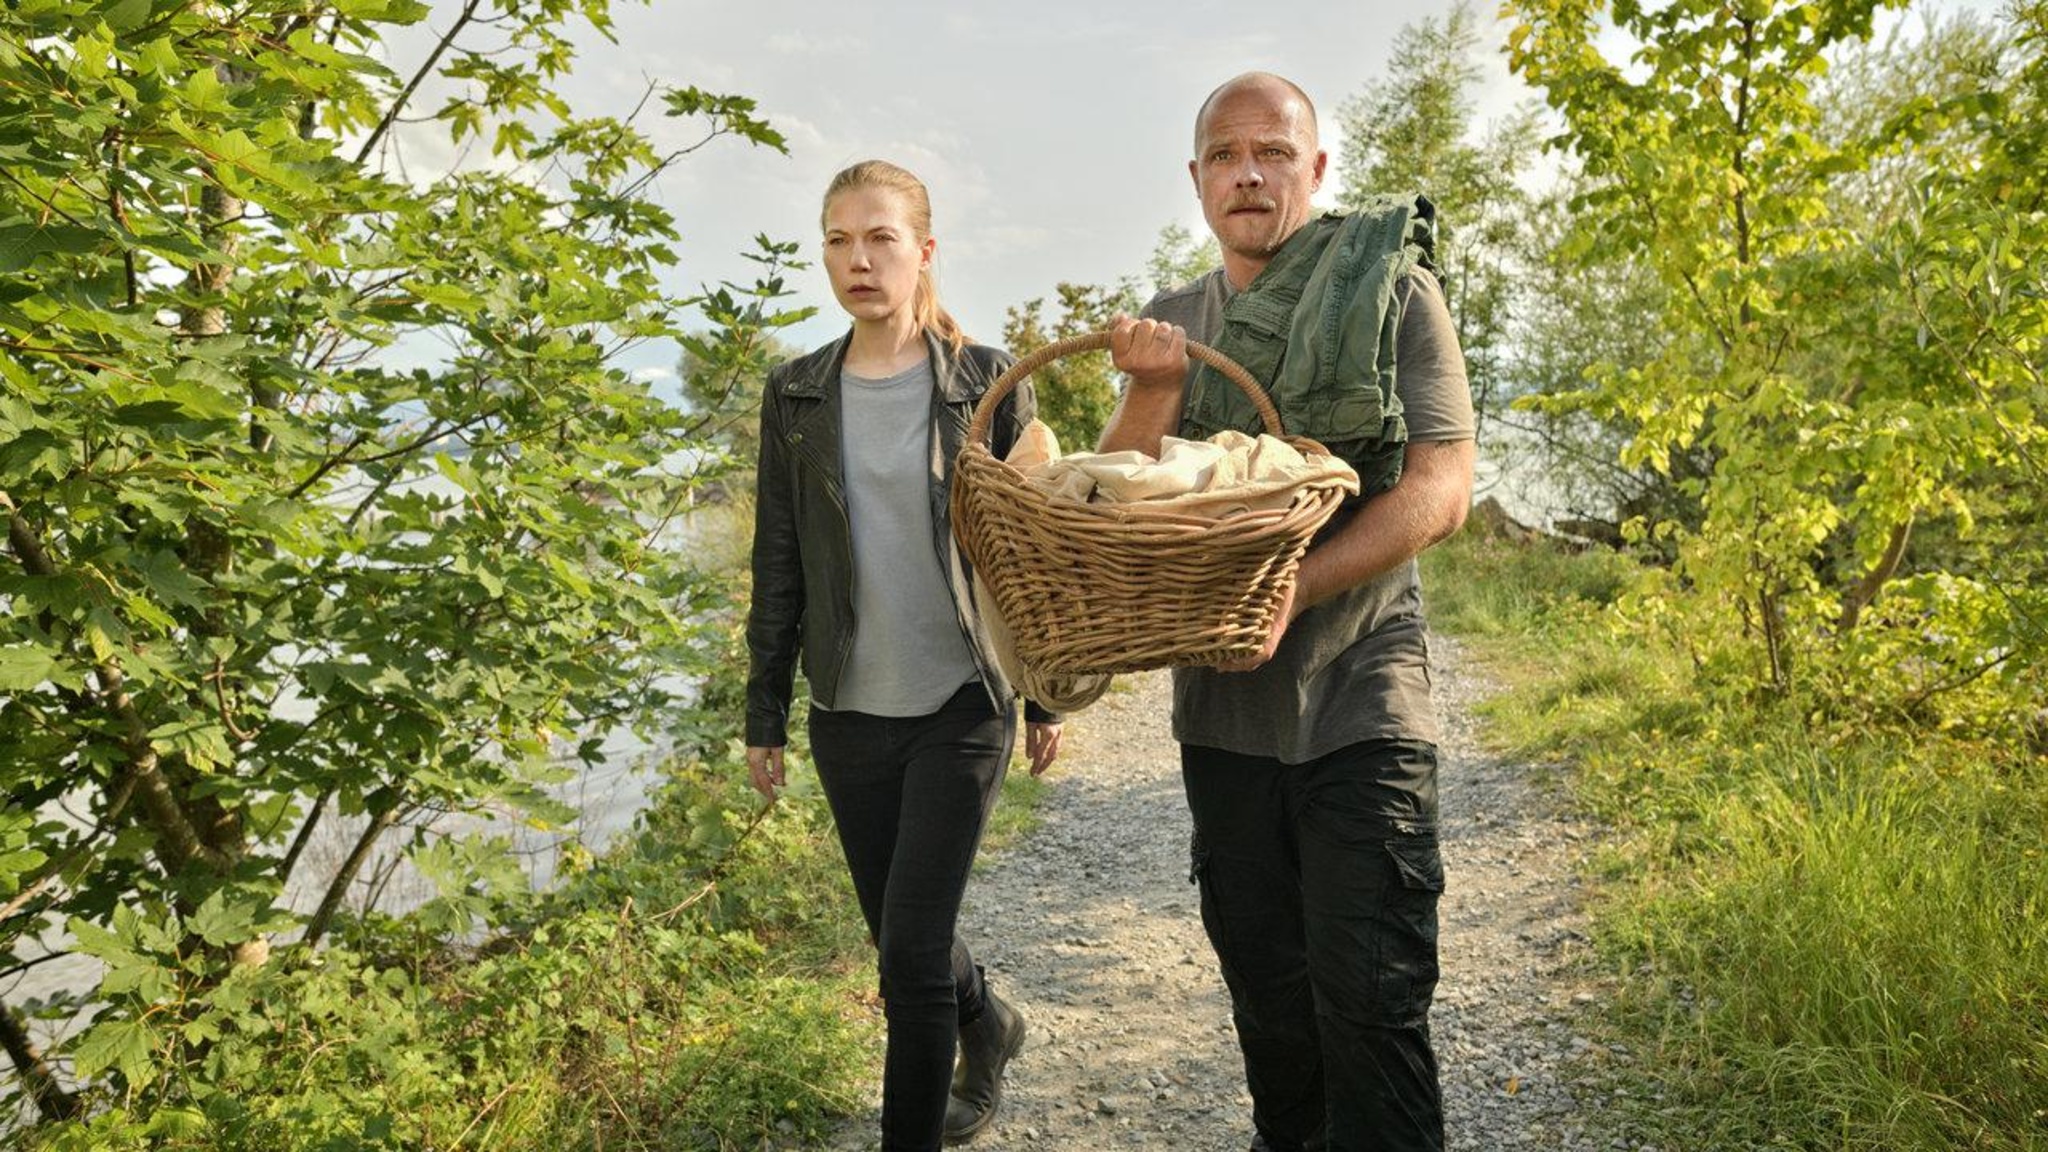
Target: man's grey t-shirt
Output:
[(908, 654), (1356, 666)]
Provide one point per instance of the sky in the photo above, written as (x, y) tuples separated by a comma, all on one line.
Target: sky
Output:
[(1054, 136)]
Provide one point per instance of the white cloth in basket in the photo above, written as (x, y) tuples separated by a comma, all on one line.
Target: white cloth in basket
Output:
[(1226, 475)]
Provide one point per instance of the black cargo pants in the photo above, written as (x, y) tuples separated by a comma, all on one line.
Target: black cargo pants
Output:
[(1319, 886)]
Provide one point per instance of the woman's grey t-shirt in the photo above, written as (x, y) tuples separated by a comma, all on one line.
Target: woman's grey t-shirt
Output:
[(1355, 667), (908, 654)]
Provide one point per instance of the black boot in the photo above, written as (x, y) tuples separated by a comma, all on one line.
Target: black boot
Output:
[(986, 1045)]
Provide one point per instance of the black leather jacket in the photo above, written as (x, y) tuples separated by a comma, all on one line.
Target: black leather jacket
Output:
[(803, 542)]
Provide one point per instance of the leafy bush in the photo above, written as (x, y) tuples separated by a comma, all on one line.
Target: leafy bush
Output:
[(701, 985)]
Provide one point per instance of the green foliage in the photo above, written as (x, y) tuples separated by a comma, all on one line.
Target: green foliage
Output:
[(1076, 394), (1578, 320), (705, 982), (1487, 587), (1819, 414), (1177, 259), (1828, 925), (721, 376), (722, 384), (259, 574)]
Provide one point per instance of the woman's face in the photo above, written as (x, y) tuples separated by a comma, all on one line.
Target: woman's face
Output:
[(871, 252)]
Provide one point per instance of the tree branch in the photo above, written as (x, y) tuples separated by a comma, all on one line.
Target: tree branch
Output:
[(43, 1087), (376, 136), (1866, 589), (305, 836), (180, 843), (385, 808)]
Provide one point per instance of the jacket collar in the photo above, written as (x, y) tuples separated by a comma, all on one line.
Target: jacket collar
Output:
[(819, 372)]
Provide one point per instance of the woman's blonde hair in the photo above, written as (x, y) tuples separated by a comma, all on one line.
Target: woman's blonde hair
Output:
[(924, 303)]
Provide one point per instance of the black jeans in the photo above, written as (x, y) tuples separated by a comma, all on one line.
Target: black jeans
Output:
[(910, 797), (1319, 886)]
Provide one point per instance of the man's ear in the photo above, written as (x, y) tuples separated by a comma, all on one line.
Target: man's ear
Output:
[(1322, 164), (1195, 177)]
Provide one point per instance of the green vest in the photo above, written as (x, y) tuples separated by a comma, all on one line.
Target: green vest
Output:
[(1317, 328)]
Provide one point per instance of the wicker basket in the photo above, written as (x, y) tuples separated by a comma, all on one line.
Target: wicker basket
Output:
[(1087, 590)]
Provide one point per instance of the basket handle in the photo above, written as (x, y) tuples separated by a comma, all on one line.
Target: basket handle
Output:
[(985, 412)]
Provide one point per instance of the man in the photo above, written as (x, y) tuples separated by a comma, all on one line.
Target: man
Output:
[(1311, 770)]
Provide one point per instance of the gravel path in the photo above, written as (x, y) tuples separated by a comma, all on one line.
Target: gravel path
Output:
[(1091, 927)]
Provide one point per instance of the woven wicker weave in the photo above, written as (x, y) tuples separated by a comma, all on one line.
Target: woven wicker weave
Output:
[(1087, 590)]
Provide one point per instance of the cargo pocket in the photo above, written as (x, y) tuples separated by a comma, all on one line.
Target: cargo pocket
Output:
[(1408, 929), (1255, 335), (1214, 924)]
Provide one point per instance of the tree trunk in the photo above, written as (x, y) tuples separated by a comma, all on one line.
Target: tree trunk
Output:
[(1866, 590), (1774, 637), (210, 548), (43, 1087), (385, 807)]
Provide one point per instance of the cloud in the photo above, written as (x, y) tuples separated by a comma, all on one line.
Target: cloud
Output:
[(1053, 137), (802, 134), (801, 44), (987, 244)]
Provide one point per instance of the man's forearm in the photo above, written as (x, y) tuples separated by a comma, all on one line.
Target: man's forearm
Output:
[(1425, 506), (1147, 412)]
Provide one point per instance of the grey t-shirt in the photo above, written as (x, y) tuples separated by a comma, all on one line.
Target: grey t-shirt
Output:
[(1356, 666), (908, 655)]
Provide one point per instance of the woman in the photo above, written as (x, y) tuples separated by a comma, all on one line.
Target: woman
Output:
[(855, 570)]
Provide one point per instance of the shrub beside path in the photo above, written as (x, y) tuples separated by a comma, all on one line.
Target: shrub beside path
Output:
[(1090, 926)]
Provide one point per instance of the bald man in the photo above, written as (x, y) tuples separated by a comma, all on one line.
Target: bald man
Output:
[(1311, 770)]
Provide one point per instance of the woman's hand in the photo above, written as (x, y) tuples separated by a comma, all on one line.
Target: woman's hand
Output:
[(1042, 745), (765, 766)]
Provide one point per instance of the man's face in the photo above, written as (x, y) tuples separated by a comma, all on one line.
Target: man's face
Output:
[(1256, 166)]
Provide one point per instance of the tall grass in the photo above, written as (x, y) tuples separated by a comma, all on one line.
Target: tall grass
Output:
[(1828, 935)]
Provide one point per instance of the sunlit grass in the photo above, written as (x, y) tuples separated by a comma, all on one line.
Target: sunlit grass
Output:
[(1825, 937)]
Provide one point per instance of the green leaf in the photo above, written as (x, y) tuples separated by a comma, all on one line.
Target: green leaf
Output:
[(24, 666), (453, 297), (200, 738), (17, 864), (149, 414), (203, 91), (125, 1045), (169, 580), (21, 244), (125, 15), (221, 922), (108, 945), (104, 633), (384, 11)]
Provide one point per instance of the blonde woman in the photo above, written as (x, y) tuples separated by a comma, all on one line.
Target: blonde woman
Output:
[(857, 577)]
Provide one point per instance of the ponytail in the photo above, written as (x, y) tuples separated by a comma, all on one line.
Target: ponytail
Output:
[(925, 306)]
